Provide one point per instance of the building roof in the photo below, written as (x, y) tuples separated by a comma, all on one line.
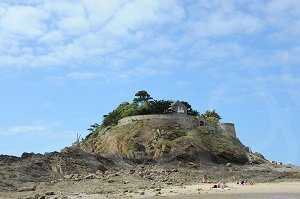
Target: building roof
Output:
[(178, 103)]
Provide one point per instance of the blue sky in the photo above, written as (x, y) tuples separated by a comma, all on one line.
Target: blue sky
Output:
[(64, 64)]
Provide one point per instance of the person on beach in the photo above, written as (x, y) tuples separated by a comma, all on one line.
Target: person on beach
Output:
[(220, 185), (204, 179), (241, 181)]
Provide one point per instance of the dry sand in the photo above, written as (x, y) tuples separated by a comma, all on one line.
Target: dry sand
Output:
[(260, 190), (286, 190)]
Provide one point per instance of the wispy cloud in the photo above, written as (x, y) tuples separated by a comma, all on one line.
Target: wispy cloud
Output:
[(120, 34), (108, 76), (28, 129)]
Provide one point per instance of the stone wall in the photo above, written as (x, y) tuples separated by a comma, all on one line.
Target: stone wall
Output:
[(228, 128), (181, 121)]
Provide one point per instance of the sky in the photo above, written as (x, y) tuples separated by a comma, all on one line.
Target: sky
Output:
[(64, 64)]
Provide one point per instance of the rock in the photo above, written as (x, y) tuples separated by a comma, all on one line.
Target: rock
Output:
[(90, 176), (22, 189), (26, 155), (68, 176), (98, 172), (49, 193), (75, 175), (125, 182), (107, 172), (142, 193), (36, 196), (228, 164), (131, 171), (110, 180), (51, 197)]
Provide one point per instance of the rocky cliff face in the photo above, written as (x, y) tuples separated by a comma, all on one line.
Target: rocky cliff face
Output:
[(145, 141), (32, 167)]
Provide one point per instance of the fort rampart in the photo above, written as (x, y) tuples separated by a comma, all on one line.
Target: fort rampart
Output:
[(182, 121)]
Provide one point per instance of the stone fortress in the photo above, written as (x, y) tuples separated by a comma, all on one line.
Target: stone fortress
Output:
[(179, 119)]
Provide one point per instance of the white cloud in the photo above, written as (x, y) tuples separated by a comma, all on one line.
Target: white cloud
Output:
[(116, 34), (23, 21), (222, 24), (107, 76), (55, 33), (54, 37), (34, 128)]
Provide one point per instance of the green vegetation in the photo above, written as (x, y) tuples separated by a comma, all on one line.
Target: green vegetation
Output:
[(142, 97), (190, 111), (167, 143), (132, 145), (219, 143), (212, 116), (223, 145), (143, 104), (95, 132), (259, 155)]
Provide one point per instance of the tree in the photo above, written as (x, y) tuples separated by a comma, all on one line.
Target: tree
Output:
[(93, 127), (190, 111), (142, 97), (212, 116), (160, 106)]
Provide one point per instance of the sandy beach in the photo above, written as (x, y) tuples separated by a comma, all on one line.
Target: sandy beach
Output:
[(182, 182), (259, 190), (285, 190)]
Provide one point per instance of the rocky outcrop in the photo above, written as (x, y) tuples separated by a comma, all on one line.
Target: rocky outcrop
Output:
[(32, 167), (146, 141)]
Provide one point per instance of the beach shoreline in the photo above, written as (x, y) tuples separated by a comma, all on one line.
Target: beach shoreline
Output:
[(289, 190), (266, 190)]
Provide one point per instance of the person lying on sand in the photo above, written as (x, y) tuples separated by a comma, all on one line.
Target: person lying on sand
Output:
[(220, 185)]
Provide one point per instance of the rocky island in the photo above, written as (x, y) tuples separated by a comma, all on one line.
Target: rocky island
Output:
[(144, 149)]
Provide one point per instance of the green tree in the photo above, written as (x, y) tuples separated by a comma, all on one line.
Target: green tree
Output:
[(142, 97), (114, 116), (143, 104), (212, 116), (93, 127), (190, 111), (160, 106)]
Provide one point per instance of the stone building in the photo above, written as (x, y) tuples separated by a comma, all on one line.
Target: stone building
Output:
[(179, 107)]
